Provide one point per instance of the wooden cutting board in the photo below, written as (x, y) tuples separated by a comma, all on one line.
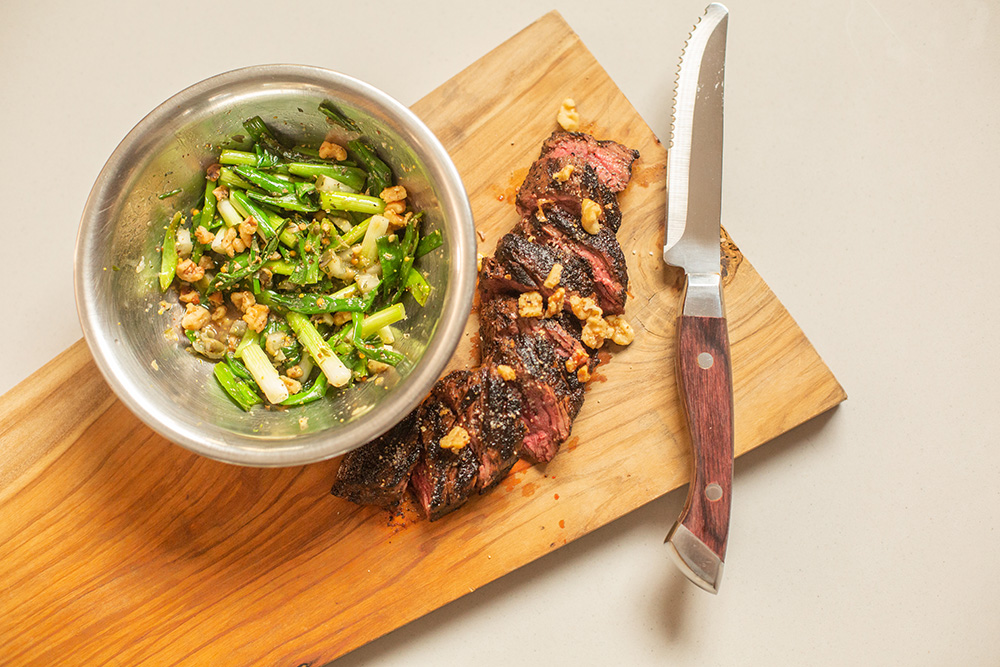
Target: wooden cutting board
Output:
[(117, 546)]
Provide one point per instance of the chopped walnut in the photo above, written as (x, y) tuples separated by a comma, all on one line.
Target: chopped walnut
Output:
[(583, 374), (223, 243), (190, 272), (554, 275), (221, 192), (206, 263), (579, 358), (247, 229), (621, 330), (590, 214), (456, 439), (219, 313), (529, 304), (393, 193), (213, 171), (238, 245), (189, 295), (555, 304), (295, 372), (215, 298), (243, 300), (203, 235), (563, 174), (594, 332), (506, 372), (195, 317), (293, 386), (395, 219), (341, 318), (397, 207), (584, 307), (328, 150), (256, 317), (568, 117)]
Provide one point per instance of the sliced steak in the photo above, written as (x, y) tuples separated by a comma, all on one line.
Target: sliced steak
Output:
[(529, 262), (376, 473), (498, 319), (601, 252), (502, 430), (444, 479), (548, 399), (611, 161), (564, 182)]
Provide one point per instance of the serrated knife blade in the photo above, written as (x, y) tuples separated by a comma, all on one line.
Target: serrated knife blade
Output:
[(691, 241)]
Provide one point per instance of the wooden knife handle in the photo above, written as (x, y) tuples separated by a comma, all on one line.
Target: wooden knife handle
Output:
[(705, 377)]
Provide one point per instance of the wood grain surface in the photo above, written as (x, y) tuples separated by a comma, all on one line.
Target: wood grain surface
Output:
[(117, 547)]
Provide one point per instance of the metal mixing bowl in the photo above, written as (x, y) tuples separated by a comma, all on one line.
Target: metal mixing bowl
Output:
[(132, 332)]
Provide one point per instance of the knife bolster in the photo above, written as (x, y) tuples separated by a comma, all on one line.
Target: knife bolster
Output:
[(703, 295)]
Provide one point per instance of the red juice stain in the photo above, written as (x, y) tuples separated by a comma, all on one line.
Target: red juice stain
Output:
[(562, 523), (528, 489)]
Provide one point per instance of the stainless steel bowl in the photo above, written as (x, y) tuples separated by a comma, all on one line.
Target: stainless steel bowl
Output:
[(131, 327)]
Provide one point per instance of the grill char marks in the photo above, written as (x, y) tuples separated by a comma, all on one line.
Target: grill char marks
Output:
[(377, 472), (529, 262), (611, 161), (443, 479), (564, 182), (502, 431), (601, 253), (522, 400)]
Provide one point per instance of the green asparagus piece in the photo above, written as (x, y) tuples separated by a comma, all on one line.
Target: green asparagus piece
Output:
[(168, 260), (233, 157), (352, 177), (237, 389), (313, 393), (348, 201), (337, 116), (429, 242), (208, 210), (379, 173), (274, 186), (249, 208)]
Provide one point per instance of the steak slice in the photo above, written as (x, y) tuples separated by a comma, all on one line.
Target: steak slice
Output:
[(444, 479), (498, 318), (548, 185), (601, 252), (547, 398), (502, 430), (611, 161), (529, 262), (377, 472)]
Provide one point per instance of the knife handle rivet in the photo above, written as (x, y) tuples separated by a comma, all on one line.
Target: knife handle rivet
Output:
[(705, 360), (713, 492)]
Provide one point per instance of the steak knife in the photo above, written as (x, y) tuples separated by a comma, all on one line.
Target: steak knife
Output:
[(697, 542)]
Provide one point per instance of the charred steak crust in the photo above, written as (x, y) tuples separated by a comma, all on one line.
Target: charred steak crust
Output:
[(610, 160), (564, 182), (601, 253), (444, 479), (522, 400), (377, 472)]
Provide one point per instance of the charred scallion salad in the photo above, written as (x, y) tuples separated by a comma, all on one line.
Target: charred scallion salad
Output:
[(295, 266)]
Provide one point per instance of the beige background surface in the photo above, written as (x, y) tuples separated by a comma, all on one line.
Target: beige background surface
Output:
[(861, 181)]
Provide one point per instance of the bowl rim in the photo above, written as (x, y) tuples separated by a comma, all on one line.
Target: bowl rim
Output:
[(454, 203)]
